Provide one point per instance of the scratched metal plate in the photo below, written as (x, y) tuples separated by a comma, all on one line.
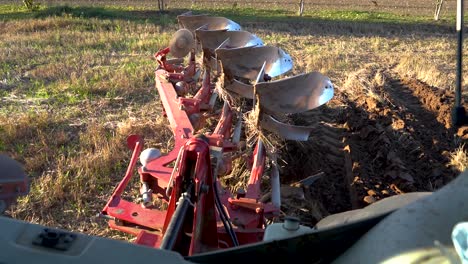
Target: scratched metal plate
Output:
[(193, 22), (247, 62), (296, 94), (212, 39)]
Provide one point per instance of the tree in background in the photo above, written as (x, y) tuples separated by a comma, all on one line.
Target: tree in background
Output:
[(161, 5), (301, 7), (437, 9)]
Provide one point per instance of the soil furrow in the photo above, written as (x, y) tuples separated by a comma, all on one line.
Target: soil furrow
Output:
[(382, 141)]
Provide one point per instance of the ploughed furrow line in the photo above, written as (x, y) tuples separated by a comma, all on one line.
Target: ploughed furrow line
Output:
[(399, 139), (323, 154)]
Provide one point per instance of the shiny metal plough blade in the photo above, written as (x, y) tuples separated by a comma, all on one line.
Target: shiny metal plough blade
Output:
[(211, 39), (296, 94), (246, 62), (286, 131), (240, 88), (193, 22)]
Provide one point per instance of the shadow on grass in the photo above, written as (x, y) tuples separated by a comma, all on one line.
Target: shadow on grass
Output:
[(322, 22), (142, 16)]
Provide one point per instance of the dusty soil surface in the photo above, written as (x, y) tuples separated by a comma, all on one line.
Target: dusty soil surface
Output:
[(371, 147)]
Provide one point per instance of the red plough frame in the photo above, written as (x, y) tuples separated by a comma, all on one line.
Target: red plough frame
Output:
[(201, 215)]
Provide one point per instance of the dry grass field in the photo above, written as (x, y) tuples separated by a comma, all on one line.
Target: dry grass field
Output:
[(75, 80), (403, 7)]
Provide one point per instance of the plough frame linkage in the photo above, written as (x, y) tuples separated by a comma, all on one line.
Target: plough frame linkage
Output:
[(201, 215)]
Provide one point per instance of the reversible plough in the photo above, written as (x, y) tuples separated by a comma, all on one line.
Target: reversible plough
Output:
[(183, 206)]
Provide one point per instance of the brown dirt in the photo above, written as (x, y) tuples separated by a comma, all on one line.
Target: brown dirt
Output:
[(372, 147)]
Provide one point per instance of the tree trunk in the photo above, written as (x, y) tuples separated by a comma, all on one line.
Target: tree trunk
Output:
[(437, 9), (161, 5), (301, 7)]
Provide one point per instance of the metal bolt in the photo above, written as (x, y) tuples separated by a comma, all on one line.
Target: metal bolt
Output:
[(204, 188), (240, 192), (146, 194), (105, 216), (291, 223)]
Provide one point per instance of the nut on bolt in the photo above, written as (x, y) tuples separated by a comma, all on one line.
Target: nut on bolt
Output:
[(240, 193), (204, 188)]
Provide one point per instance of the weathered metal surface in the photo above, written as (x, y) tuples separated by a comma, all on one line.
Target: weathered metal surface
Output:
[(247, 62), (296, 94), (193, 22), (210, 40), (286, 131)]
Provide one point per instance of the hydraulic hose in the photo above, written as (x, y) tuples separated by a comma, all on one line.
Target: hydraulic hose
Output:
[(177, 220), (224, 217)]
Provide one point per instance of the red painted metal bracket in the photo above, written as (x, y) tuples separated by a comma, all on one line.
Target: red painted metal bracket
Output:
[(165, 177)]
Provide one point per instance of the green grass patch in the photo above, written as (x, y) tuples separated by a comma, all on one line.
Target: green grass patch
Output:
[(17, 12), (9, 12), (244, 14), (283, 15), (366, 16)]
